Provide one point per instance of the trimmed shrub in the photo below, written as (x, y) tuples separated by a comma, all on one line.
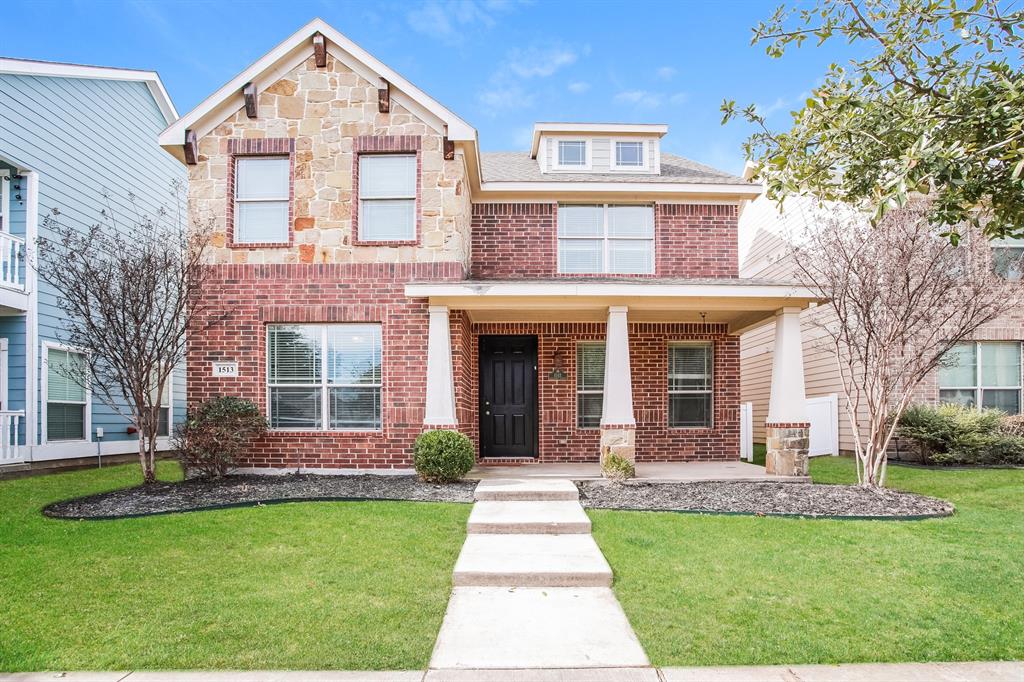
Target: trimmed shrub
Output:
[(957, 435), (442, 456), (617, 468), (214, 434)]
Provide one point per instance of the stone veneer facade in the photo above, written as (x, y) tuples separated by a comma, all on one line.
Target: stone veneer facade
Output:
[(330, 114)]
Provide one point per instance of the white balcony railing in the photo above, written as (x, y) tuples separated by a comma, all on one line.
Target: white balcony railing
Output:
[(12, 259), (10, 435)]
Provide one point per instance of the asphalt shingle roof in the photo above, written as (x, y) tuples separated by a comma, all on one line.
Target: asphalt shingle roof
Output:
[(519, 167)]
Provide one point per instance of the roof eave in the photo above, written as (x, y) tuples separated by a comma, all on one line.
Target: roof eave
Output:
[(735, 191)]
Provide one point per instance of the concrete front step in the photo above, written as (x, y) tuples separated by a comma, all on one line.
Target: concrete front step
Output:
[(527, 489), (532, 561), (528, 518), (531, 627)]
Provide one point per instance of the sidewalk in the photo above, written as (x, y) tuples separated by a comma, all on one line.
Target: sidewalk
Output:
[(1012, 671)]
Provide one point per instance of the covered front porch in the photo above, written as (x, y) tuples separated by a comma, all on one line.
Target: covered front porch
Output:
[(570, 371)]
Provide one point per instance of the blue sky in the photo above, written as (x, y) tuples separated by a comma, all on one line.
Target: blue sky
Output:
[(500, 64)]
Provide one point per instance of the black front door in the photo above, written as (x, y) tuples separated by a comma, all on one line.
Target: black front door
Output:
[(508, 396)]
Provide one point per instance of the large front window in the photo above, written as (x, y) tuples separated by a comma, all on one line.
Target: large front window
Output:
[(261, 199), (589, 384), (984, 373), (65, 396), (387, 197), (605, 238), (689, 385), (325, 377)]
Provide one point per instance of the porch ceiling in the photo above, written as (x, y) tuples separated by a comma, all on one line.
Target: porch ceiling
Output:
[(742, 304)]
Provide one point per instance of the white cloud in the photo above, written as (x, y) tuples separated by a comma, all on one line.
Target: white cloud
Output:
[(666, 73), (641, 99), (505, 98), (450, 20), (578, 87), (507, 87), (678, 98), (534, 62), (780, 104)]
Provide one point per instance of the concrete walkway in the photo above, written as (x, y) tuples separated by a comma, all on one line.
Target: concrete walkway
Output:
[(532, 589)]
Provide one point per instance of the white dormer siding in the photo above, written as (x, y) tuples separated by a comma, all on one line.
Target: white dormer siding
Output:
[(556, 148), (601, 155)]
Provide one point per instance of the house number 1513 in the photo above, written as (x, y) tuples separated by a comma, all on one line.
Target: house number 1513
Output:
[(225, 369)]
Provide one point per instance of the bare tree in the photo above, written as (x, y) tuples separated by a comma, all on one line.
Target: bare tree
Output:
[(127, 287), (903, 293)]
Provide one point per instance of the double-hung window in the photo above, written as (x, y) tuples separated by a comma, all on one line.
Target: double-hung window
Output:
[(325, 377), (573, 154), (690, 385), (983, 373), (629, 155), (387, 197), (262, 187), (605, 238), (589, 384), (163, 426), (66, 397), (1008, 257)]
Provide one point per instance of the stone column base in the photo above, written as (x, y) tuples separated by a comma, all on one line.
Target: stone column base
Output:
[(786, 448), (618, 439)]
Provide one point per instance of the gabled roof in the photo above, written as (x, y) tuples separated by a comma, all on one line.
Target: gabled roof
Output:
[(522, 167), (33, 67), (289, 54)]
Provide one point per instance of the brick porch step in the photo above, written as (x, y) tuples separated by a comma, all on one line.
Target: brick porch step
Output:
[(532, 561), (527, 489), (528, 517)]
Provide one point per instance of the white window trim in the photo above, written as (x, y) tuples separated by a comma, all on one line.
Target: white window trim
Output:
[(169, 406), (586, 391), (323, 384), (979, 388), (52, 345), (363, 200), (606, 240), (262, 200), (645, 152), (995, 245), (690, 391), (588, 152), (5, 376)]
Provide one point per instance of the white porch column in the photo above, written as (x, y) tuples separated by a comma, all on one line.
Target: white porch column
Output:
[(787, 431), (440, 406), (618, 426)]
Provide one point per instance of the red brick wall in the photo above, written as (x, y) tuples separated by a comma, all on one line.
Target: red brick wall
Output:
[(561, 441), (253, 296), (520, 241)]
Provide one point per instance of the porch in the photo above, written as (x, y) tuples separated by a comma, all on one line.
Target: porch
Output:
[(654, 472), (566, 372)]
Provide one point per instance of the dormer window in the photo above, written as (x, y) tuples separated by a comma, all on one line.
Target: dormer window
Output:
[(573, 154), (629, 155)]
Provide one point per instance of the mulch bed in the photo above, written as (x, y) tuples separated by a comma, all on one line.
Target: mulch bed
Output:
[(248, 490), (786, 499)]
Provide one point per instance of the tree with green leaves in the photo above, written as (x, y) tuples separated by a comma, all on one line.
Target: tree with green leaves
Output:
[(934, 106)]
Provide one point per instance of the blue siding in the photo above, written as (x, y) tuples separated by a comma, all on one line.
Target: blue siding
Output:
[(15, 222), (84, 137)]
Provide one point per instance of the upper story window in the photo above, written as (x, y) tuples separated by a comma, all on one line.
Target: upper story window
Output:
[(605, 238), (985, 374), (262, 188), (1008, 257), (387, 197), (573, 154), (629, 155)]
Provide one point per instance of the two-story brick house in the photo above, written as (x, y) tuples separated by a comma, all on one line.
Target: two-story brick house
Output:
[(383, 275)]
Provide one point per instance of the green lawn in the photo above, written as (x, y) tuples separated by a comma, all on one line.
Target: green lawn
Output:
[(344, 585), (705, 590)]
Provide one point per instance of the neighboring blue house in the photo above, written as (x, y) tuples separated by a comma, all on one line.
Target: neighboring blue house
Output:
[(67, 134)]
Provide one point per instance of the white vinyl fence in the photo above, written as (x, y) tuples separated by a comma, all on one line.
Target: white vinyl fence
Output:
[(822, 413)]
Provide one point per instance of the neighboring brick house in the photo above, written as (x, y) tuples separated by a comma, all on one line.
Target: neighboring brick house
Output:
[(989, 368), (383, 276)]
